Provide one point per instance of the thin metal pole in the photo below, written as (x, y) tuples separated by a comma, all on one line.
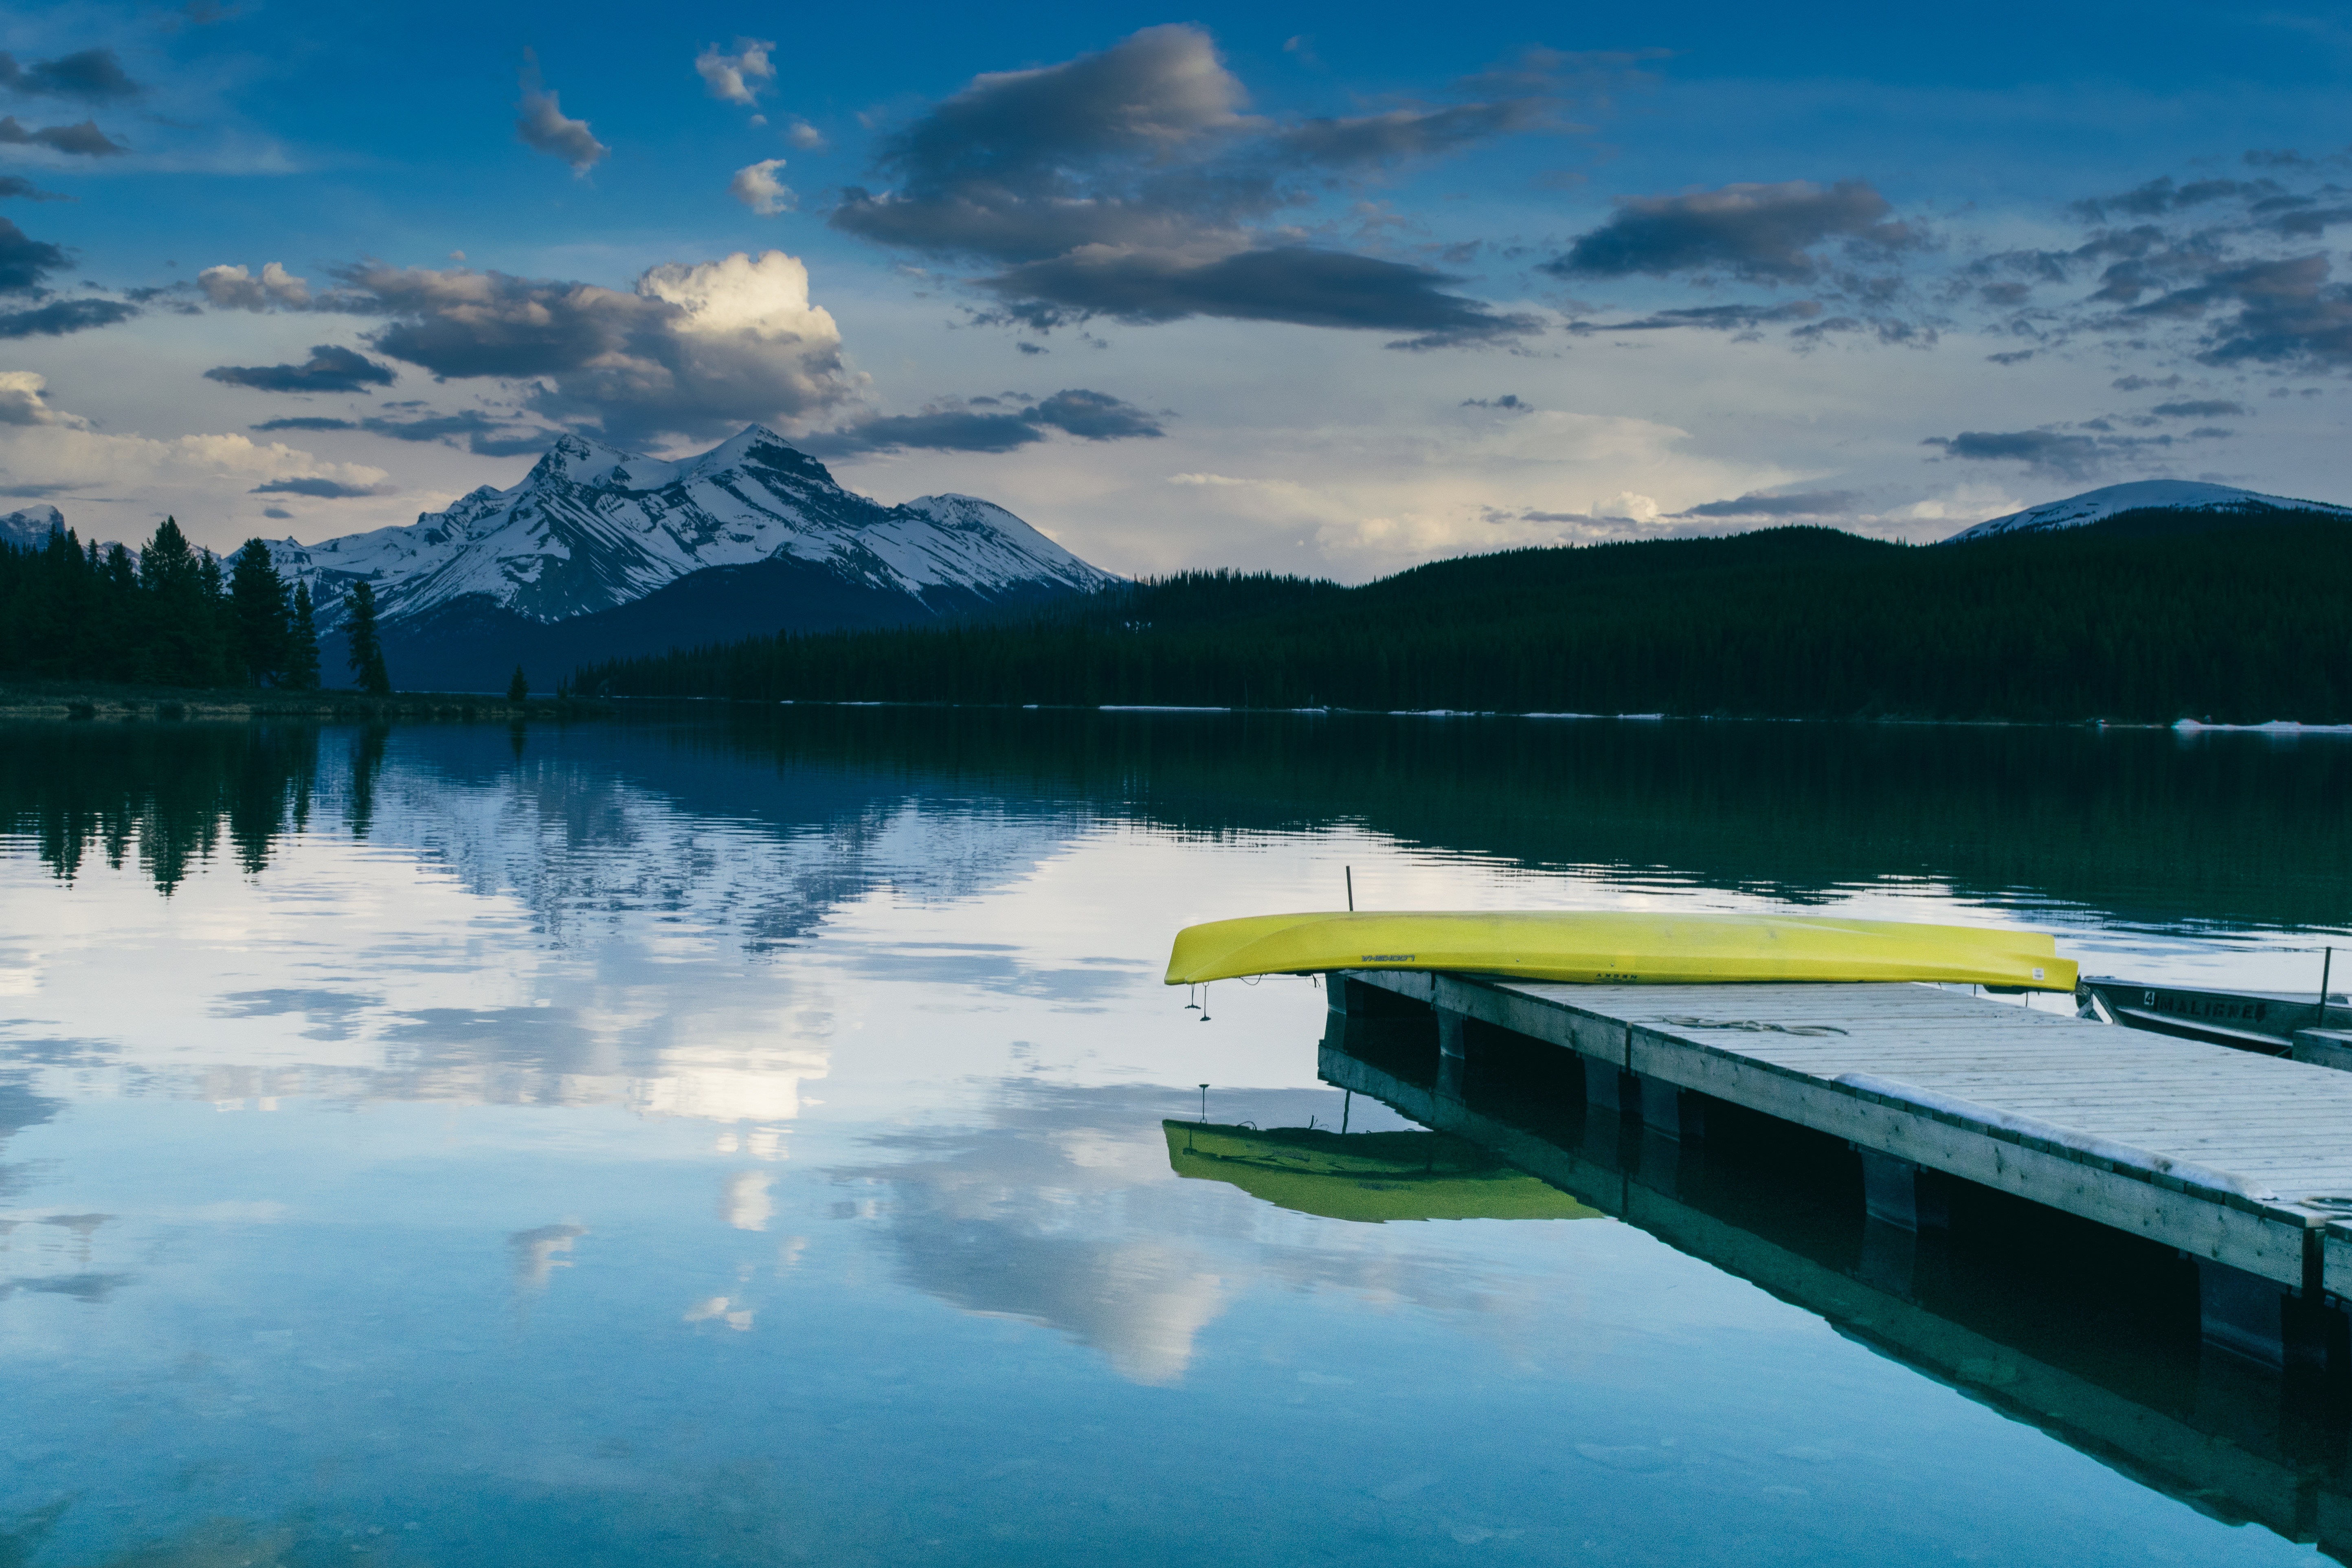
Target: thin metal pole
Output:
[(1351, 889), (1204, 1102), (2326, 961), (1347, 1104)]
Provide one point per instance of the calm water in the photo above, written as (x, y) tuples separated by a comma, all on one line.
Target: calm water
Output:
[(740, 1140)]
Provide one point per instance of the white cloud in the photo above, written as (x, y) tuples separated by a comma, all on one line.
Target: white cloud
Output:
[(738, 77), (757, 187), (234, 289), (804, 136), (24, 401)]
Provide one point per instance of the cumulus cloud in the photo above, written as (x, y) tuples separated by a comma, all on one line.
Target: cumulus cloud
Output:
[(988, 424), (804, 136), (544, 126), (58, 317), (694, 350), (1132, 184), (234, 289), (1806, 503), (24, 401), (1768, 234), (328, 369), (25, 261), (738, 78), (95, 76), (85, 139), (757, 187)]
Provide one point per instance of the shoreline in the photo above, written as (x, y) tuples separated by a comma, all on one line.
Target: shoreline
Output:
[(87, 703)]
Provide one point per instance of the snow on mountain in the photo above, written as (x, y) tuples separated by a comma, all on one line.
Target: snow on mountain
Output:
[(30, 528), (591, 527), (2172, 494)]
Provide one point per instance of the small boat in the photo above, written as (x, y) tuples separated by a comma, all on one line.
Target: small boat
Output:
[(1369, 1177), (1639, 947), (2264, 1021)]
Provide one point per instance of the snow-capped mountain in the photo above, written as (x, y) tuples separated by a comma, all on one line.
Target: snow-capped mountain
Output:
[(30, 528), (2145, 495), (591, 528)]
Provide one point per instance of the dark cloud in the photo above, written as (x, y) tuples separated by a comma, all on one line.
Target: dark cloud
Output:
[(2198, 408), (2036, 449), (487, 434), (1710, 318), (322, 489), (2287, 311), (277, 513), (328, 369), (977, 427), (25, 261), (58, 317), (544, 126), (1510, 403), (85, 139), (2142, 383), (1807, 503), (1132, 184), (16, 187), (2161, 195), (306, 422), (2014, 356), (94, 76), (1298, 284), (1765, 234), (1094, 415), (2059, 452)]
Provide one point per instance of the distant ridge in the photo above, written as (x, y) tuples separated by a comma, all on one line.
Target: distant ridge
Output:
[(2141, 495), (30, 528)]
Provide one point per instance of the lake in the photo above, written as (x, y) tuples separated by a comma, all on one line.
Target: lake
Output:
[(746, 1137)]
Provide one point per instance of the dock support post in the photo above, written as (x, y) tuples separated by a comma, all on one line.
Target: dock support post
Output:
[(1603, 1085), (2267, 1323), (1453, 1053), (1672, 1112), (1897, 1193)]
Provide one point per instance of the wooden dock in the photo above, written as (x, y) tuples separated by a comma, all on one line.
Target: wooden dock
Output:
[(2225, 1442), (2243, 1162)]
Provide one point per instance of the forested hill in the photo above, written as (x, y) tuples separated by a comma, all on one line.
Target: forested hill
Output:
[(2122, 620)]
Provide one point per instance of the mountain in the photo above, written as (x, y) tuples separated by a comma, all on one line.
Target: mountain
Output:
[(30, 529), (2226, 503), (599, 553)]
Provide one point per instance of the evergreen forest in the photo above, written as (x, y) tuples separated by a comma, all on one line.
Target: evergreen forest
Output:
[(175, 615), (2145, 618)]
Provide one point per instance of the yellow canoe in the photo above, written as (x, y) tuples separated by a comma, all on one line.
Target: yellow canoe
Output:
[(1621, 948)]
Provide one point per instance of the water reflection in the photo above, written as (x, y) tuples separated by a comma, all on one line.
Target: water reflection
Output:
[(746, 1140)]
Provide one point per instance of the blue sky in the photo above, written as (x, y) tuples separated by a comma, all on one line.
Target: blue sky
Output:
[(1308, 287)]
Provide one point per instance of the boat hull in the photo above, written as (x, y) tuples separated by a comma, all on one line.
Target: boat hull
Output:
[(1621, 948), (2264, 1021)]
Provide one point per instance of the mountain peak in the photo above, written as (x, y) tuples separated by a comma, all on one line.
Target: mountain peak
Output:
[(2140, 495), (576, 460)]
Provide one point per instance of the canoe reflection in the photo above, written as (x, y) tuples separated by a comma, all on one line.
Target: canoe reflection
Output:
[(1372, 1177)]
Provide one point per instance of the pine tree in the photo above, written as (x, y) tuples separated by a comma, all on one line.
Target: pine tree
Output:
[(302, 644), (519, 688), (367, 647), (259, 620), (177, 647)]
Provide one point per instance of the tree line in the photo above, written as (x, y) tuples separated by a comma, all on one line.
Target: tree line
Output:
[(173, 615), (2132, 620)]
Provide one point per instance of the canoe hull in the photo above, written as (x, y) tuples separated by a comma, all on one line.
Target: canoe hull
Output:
[(1620, 949)]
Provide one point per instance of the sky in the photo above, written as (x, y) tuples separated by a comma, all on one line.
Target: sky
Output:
[(1316, 288)]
